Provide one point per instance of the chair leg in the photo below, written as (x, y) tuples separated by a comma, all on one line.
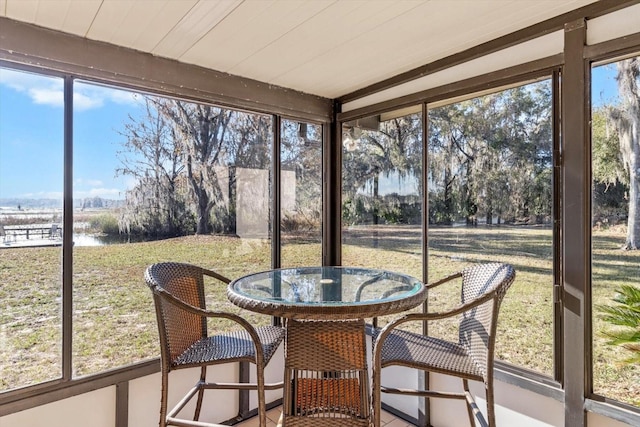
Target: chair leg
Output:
[(491, 413), (470, 411), (262, 407), (163, 398), (376, 395), (203, 378), (474, 411)]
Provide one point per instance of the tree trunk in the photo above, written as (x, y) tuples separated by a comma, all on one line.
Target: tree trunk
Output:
[(375, 212), (489, 216), (633, 224), (630, 138), (203, 212), (203, 207), (627, 121), (447, 217)]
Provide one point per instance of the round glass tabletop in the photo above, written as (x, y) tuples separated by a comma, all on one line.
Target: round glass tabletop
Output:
[(326, 292)]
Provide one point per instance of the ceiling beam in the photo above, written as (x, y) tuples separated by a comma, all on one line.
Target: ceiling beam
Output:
[(35, 46)]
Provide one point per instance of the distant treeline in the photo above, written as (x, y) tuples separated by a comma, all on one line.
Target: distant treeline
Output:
[(88, 203)]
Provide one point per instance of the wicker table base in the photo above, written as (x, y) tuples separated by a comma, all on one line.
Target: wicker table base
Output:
[(326, 378)]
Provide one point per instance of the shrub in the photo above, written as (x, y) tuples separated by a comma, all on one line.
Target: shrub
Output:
[(105, 223), (625, 316)]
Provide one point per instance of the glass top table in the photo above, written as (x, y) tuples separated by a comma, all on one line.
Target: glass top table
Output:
[(330, 293)]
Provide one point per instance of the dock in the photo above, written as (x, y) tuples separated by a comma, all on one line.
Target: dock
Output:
[(30, 235)]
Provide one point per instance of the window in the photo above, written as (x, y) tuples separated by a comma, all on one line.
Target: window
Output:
[(490, 196), (301, 193), (31, 186), (382, 192), (490, 181), (154, 179), (157, 179), (616, 229)]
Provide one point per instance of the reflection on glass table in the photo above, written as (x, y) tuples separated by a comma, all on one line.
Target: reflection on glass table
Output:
[(324, 293)]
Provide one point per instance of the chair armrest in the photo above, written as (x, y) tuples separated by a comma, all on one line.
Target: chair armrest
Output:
[(413, 317), (216, 314), (443, 280), (215, 275)]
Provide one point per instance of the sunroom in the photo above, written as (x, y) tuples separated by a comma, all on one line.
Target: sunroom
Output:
[(420, 137)]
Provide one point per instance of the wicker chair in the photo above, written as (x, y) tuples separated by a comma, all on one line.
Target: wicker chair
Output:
[(178, 294), (471, 358), (326, 378)]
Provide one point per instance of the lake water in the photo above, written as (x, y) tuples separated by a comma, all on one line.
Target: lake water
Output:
[(79, 239), (97, 240), (87, 240)]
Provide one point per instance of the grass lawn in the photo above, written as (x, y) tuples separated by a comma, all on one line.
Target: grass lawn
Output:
[(114, 323)]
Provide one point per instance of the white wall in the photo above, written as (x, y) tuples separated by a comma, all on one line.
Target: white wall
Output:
[(95, 409), (514, 406), (617, 24), (219, 405), (597, 420), (98, 408), (538, 48)]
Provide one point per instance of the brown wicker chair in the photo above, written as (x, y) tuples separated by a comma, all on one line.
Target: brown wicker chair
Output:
[(178, 294), (326, 378), (471, 358)]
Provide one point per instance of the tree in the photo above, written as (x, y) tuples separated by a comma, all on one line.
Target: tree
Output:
[(394, 149), (610, 188), (626, 119), (183, 156), (202, 131), (246, 144), (492, 156), (449, 159), (527, 121), (153, 156), (301, 154)]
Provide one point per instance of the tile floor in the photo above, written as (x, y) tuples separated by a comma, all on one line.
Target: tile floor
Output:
[(273, 415)]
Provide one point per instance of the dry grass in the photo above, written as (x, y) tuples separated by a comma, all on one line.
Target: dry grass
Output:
[(114, 323)]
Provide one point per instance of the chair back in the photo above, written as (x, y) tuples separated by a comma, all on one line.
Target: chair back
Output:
[(178, 328), (478, 325)]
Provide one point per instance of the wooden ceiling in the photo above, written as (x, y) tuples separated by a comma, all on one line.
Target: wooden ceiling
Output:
[(327, 48)]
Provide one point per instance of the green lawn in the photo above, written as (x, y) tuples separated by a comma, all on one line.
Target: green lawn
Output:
[(114, 323)]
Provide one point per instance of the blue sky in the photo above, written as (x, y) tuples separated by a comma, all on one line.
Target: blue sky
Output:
[(31, 134), (31, 137), (603, 84)]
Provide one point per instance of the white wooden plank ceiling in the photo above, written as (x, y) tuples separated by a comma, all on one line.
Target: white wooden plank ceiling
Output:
[(323, 47)]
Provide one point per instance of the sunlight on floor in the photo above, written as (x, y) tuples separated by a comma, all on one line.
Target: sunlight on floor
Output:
[(273, 415)]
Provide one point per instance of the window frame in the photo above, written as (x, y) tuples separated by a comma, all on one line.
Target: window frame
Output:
[(65, 384), (515, 76), (605, 52), (568, 369)]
